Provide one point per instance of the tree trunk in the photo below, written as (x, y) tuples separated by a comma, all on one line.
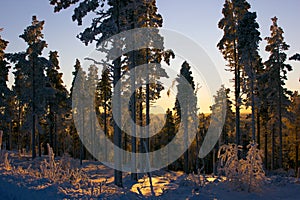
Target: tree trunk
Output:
[(237, 94), (117, 120), (10, 136), (252, 106), (117, 95), (133, 106), (82, 135), (55, 136), (147, 102), (266, 150), (33, 112), (280, 119), (273, 149), (39, 144), (297, 151), (19, 126), (186, 138), (258, 128), (105, 128), (133, 117), (142, 140), (51, 127)]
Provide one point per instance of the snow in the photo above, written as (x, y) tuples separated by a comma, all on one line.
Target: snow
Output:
[(23, 181)]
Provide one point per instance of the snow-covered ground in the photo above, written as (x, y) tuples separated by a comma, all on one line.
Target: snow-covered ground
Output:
[(22, 179)]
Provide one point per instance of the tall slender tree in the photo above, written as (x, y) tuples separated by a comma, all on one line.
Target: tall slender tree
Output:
[(78, 98), (227, 114), (186, 109), (6, 96), (248, 40), (58, 101), (103, 100), (233, 11), (277, 74), (92, 81), (30, 77), (110, 20)]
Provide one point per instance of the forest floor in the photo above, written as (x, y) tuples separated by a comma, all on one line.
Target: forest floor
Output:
[(22, 178)]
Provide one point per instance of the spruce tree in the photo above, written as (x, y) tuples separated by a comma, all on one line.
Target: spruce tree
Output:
[(30, 80), (294, 123), (6, 96), (186, 109), (277, 75), (110, 20), (233, 12), (92, 81), (58, 102), (78, 98), (248, 40), (227, 114), (103, 100)]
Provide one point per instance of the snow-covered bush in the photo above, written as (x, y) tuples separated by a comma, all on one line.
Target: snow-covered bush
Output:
[(229, 162), (4, 161), (253, 174), (61, 171), (245, 174)]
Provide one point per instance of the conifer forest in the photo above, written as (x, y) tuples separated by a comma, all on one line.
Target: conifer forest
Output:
[(149, 99)]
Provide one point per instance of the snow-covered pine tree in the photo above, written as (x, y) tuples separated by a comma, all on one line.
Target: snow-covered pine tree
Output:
[(92, 80), (78, 98), (248, 40), (233, 12), (144, 14), (6, 96), (103, 100), (30, 80), (77, 66), (277, 75), (58, 103), (221, 99), (186, 109), (110, 20)]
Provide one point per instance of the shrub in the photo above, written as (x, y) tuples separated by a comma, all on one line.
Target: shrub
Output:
[(246, 174), (61, 171)]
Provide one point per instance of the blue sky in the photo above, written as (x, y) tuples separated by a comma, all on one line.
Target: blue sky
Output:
[(197, 19)]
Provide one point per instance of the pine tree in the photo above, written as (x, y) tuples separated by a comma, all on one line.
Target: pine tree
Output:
[(92, 81), (165, 136), (6, 96), (186, 109), (58, 102), (221, 113), (228, 115), (248, 40), (277, 74), (30, 77), (107, 23), (294, 130), (78, 100), (77, 66), (103, 100), (144, 14), (233, 12)]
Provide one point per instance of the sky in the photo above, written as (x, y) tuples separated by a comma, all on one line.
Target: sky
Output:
[(195, 19)]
